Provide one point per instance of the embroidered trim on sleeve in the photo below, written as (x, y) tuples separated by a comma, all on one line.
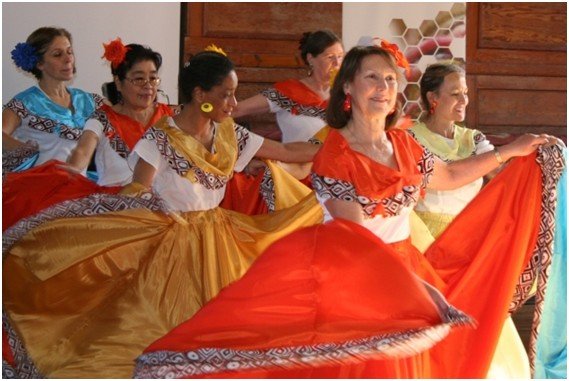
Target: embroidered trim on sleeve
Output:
[(332, 189), (117, 143), (291, 106), (243, 136), (426, 165), (44, 124)]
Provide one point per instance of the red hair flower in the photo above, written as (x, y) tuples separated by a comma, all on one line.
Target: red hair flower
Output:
[(115, 52), (400, 59)]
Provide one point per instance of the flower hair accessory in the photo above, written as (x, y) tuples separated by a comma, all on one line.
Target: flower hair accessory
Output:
[(393, 49), (213, 48), (24, 56), (333, 74), (115, 52)]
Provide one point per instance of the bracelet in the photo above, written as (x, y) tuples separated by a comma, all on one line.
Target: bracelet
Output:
[(133, 188), (498, 156)]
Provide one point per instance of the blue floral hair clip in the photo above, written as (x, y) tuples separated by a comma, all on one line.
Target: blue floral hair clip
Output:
[(24, 56)]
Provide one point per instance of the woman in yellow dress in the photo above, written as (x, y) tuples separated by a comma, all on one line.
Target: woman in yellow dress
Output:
[(444, 94), (87, 294)]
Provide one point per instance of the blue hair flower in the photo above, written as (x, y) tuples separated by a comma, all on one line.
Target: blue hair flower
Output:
[(24, 56)]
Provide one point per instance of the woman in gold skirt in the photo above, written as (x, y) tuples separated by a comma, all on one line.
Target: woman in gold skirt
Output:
[(84, 295)]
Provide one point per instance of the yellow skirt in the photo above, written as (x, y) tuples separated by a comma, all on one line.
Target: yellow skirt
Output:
[(87, 295), (435, 222)]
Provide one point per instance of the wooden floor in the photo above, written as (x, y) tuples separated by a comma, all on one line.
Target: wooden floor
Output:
[(523, 319)]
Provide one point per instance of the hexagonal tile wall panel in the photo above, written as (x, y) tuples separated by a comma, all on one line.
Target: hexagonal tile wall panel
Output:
[(429, 42)]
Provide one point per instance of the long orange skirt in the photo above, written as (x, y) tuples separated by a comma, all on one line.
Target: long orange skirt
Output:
[(243, 194), (272, 189), (332, 284)]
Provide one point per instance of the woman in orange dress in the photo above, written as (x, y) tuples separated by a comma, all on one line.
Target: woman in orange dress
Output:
[(352, 297), (109, 134), (299, 106)]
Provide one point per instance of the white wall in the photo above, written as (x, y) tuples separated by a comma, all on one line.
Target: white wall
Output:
[(156, 25), (372, 19), (363, 21)]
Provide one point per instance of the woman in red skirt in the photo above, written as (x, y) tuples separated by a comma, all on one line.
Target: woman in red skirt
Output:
[(352, 297)]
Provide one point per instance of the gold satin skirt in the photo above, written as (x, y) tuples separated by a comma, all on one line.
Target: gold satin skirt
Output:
[(87, 295)]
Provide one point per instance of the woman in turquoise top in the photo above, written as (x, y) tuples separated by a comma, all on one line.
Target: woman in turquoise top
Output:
[(45, 121)]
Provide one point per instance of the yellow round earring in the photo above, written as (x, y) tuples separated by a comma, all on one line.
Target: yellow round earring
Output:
[(206, 107)]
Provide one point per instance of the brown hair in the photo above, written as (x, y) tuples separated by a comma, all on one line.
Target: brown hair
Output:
[(433, 78), (41, 38), (316, 42), (336, 117)]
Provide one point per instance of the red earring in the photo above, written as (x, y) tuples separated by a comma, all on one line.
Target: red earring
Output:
[(434, 105), (347, 105)]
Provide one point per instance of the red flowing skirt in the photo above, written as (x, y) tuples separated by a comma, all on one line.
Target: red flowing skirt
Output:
[(311, 295), (334, 284), (243, 194), (27, 193)]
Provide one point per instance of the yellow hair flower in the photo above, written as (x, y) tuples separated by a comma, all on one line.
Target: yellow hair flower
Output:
[(333, 74), (213, 48)]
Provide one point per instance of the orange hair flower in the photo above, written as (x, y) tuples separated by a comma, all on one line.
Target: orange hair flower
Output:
[(115, 52), (400, 59)]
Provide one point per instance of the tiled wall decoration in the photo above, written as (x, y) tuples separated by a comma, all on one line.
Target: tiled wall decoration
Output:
[(433, 40)]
